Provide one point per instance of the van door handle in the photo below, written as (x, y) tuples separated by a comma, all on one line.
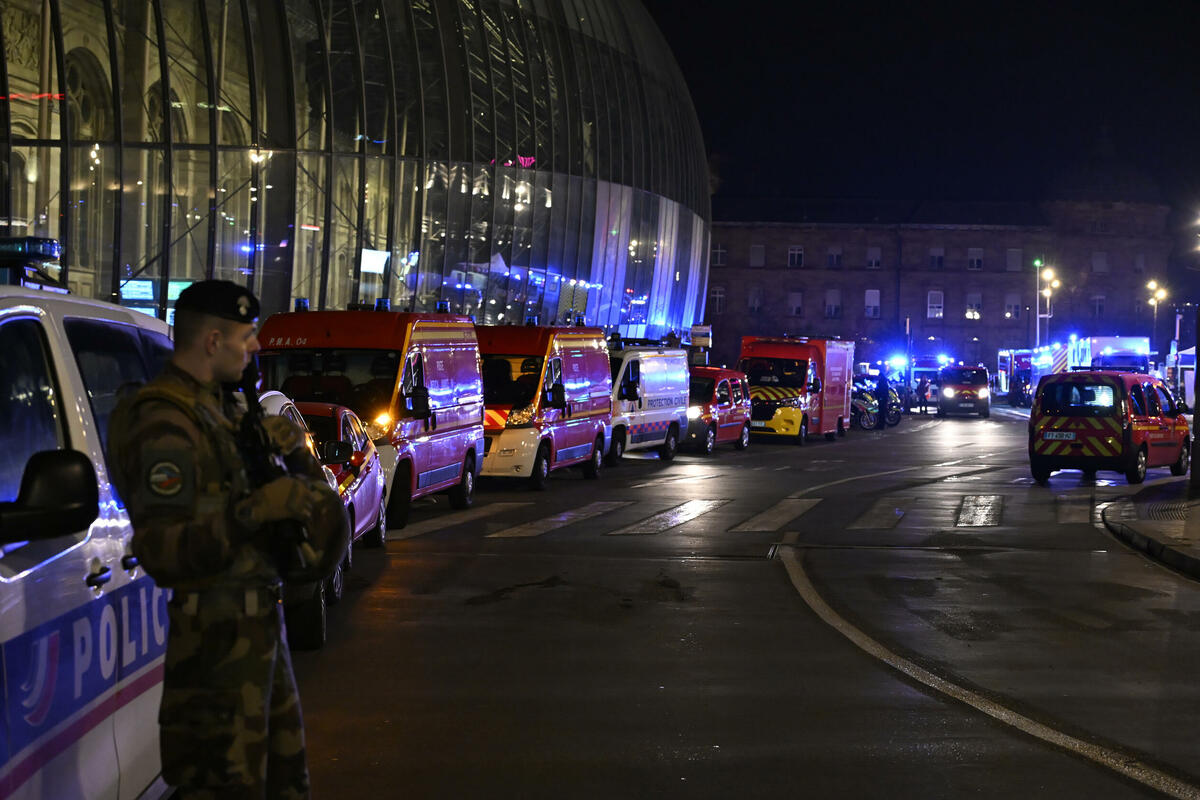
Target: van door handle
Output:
[(129, 561), (433, 420), (99, 577)]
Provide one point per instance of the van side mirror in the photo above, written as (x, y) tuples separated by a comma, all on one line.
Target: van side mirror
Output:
[(628, 391), (558, 396), (58, 496), (419, 399), (335, 452), (1183, 408), (816, 385)]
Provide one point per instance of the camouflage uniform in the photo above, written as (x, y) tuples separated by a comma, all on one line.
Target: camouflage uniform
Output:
[(230, 716)]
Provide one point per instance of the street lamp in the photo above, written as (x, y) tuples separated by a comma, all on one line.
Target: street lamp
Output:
[(1046, 283), (1157, 295)]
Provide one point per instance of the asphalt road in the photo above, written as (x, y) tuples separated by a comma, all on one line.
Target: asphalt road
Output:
[(899, 613)]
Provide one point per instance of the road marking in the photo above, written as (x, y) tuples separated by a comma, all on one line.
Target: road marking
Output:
[(980, 511), (676, 479), (665, 520), (450, 520), (1073, 508), (1118, 762), (778, 515), (538, 527), (884, 514)]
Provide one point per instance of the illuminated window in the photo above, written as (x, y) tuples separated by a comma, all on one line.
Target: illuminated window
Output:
[(1012, 305), (934, 304), (974, 305)]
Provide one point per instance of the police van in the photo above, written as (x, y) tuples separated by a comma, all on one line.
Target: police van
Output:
[(649, 397), (83, 629)]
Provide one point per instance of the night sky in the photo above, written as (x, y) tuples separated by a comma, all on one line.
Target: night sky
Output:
[(948, 101)]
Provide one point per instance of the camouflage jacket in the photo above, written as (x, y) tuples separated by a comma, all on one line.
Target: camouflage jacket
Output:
[(175, 462)]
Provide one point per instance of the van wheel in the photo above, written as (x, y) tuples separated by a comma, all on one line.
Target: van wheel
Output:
[(335, 584), (1039, 470), (667, 451), (591, 468), (710, 441), (1180, 467), (377, 536), (744, 440), (541, 469), (985, 414), (802, 436), (307, 622), (462, 494), (618, 448), (401, 500), (841, 431), (1136, 471)]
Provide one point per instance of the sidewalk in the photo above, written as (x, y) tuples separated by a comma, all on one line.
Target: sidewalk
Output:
[(1161, 522)]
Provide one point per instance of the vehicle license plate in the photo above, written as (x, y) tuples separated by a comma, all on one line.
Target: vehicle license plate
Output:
[(1065, 436), (758, 423), (966, 405)]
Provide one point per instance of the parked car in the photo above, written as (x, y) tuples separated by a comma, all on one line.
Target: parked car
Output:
[(1094, 420), (719, 410), (84, 629)]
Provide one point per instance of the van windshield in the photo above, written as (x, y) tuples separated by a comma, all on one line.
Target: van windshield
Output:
[(789, 373), (701, 390), (360, 379), (964, 376), (510, 380), (1078, 399)]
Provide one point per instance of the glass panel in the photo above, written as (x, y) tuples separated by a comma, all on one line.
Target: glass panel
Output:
[(92, 202), (480, 76), (187, 73), (377, 207), (431, 276), (406, 245), (377, 79), (236, 198), (345, 65), (35, 191), (407, 80), (501, 84), (310, 227), (29, 416), (189, 205), (433, 88), (89, 90), (462, 274), (343, 230), (232, 69), (308, 54), (142, 227), (35, 102)]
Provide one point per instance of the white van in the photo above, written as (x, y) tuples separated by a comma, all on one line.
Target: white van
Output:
[(650, 399), (83, 629)]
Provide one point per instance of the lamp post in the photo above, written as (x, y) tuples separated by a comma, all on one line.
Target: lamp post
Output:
[(1046, 284), (1157, 295)]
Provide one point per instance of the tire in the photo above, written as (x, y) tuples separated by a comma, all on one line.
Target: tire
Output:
[(1180, 467), (541, 469), (1136, 471), (591, 467), (710, 441), (618, 448), (893, 417), (377, 535), (866, 420), (829, 437), (462, 494), (841, 431), (307, 621), (666, 452), (744, 440), (1039, 470), (802, 436), (335, 585), (400, 500)]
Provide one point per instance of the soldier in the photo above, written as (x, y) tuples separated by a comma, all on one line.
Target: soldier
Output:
[(230, 716)]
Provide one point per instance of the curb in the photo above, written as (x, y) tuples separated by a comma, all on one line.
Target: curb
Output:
[(1177, 560)]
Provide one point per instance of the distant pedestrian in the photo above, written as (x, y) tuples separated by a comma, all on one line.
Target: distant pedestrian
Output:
[(923, 394), (883, 393)]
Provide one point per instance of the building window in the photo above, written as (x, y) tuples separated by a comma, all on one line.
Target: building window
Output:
[(758, 255), (1139, 263), (795, 256), (874, 258), (1012, 305), (754, 298), (974, 305), (717, 258), (833, 257), (716, 300), (871, 304), (796, 303), (833, 304), (937, 258), (1012, 259), (934, 304), (1099, 262), (1097, 306), (975, 258)]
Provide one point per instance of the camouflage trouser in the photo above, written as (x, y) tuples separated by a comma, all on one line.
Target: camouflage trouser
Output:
[(230, 716)]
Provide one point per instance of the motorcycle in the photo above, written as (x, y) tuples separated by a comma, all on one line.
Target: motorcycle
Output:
[(894, 410), (864, 409)]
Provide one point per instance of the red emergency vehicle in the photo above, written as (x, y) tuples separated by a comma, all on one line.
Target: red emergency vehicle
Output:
[(798, 385)]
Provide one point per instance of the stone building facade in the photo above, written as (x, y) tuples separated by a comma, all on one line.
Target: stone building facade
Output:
[(941, 278)]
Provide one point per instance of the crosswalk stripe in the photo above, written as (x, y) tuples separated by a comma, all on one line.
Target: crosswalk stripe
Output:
[(538, 527), (980, 511), (665, 520), (676, 479), (885, 513), (778, 515), (450, 520), (1073, 508)]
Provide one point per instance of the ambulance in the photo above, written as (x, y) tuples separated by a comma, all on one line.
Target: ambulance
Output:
[(798, 386), (83, 630), (649, 398), (548, 397), (413, 379)]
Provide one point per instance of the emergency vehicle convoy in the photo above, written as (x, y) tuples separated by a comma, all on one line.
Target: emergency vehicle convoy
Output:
[(649, 398), (1098, 419), (413, 379), (798, 385), (1130, 353), (548, 400)]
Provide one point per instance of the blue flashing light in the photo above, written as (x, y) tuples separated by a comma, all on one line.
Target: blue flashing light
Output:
[(944, 359), (897, 362), (1073, 337)]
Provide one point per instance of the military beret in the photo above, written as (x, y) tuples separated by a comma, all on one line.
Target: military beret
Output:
[(224, 299)]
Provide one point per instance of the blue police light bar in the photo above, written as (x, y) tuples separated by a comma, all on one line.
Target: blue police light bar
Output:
[(301, 304), (531, 319), (383, 304), (442, 307), (30, 246), (579, 320)]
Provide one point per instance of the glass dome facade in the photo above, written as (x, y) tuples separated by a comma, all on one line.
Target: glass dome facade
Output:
[(512, 158)]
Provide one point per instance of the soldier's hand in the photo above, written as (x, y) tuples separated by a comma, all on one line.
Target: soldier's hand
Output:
[(285, 434), (282, 498)]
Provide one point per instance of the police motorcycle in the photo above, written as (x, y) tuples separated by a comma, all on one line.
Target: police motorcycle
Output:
[(895, 410), (864, 408)]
